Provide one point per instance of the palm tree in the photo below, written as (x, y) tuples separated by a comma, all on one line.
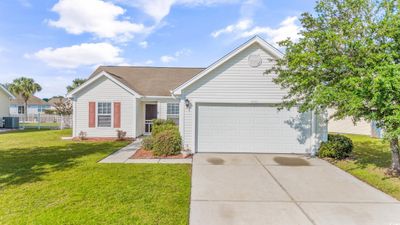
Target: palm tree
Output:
[(25, 87)]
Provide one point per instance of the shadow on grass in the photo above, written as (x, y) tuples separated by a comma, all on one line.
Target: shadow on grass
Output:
[(371, 151), (24, 165)]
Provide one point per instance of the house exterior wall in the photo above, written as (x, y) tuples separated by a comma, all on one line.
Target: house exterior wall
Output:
[(346, 126), (32, 109), (235, 81), (4, 106), (104, 90)]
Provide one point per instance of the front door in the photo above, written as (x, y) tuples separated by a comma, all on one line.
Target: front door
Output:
[(150, 114)]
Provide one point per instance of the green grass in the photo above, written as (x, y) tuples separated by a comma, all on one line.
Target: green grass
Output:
[(371, 158), (44, 180)]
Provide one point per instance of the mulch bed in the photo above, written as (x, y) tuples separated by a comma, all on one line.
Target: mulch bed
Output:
[(144, 154), (99, 139)]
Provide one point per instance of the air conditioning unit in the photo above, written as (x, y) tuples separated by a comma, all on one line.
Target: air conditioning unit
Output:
[(11, 122)]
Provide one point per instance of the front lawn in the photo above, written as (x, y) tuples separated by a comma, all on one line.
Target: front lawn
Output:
[(44, 180), (370, 159)]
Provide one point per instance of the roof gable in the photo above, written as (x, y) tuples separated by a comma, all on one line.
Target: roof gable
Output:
[(255, 40), (144, 81), (108, 76), (4, 89)]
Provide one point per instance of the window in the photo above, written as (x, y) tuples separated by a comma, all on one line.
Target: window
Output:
[(21, 109), (104, 114), (173, 109), (173, 112)]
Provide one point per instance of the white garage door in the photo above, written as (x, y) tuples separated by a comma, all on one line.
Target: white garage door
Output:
[(254, 128)]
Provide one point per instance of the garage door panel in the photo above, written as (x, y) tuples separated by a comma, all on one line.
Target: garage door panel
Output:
[(251, 128)]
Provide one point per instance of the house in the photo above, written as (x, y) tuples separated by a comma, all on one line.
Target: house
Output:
[(35, 106), (54, 100), (5, 98), (229, 106), (346, 126)]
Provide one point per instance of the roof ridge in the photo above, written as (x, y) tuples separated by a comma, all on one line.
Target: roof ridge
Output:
[(158, 67)]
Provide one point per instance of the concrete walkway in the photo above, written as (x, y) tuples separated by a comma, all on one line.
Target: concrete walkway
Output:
[(283, 189), (123, 156)]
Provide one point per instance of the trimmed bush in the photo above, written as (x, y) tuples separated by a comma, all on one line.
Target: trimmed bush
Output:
[(147, 143), (167, 142), (158, 122), (337, 147), (160, 125)]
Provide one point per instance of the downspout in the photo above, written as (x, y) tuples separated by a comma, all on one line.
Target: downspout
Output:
[(313, 133)]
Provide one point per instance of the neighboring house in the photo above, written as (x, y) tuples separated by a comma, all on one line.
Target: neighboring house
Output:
[(228, 107), (346, 126), (35, 106), (54, 100), (5, 98)]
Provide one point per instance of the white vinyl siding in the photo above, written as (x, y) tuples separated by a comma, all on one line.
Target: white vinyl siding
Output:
[(4, 106), (105, 90), (235, 82), (346, 126)]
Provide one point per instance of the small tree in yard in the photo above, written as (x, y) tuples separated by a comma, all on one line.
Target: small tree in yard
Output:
[(26, 87), (63, 107), (348, 58)]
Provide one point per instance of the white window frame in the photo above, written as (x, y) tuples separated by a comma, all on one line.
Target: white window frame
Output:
[(111, 114), (175, 104)]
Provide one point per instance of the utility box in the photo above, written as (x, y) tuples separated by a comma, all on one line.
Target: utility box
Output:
[(11, 122)]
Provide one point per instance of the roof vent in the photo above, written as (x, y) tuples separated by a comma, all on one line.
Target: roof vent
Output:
[(255, 60)]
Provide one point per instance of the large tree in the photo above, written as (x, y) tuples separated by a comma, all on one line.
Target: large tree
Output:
[(347, 59), (26, 88), (75, 83)]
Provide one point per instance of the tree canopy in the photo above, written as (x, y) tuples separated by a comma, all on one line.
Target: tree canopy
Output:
[(75, 83), (347, 59)]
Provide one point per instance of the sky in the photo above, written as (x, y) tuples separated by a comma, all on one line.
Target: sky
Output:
[(56, 41)]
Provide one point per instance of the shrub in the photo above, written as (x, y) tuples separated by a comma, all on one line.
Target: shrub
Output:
[(82, 135), (160, 128), (158, 122), (167, 142), (121, 135), (337, 147), (147, 143)]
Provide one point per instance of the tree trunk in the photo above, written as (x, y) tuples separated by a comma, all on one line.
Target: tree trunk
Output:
[(26, 110), (394, 146)]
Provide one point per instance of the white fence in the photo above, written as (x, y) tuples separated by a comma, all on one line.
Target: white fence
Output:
[(44, 121)]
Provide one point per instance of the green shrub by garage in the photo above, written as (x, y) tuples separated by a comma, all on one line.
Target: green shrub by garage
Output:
[(337, 147)]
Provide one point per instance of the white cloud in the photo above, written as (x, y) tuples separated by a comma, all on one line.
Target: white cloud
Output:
[(86, 54), (167, 58), (241, 25), (176, 55), (97, 17), (143, 44), (158, 9), (148, 62), (287, 29)]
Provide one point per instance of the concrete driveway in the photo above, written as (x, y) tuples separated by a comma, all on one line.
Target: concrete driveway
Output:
[(283, 190)]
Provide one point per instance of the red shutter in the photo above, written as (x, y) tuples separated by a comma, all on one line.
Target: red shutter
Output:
[(92, 114), (117, 114)]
